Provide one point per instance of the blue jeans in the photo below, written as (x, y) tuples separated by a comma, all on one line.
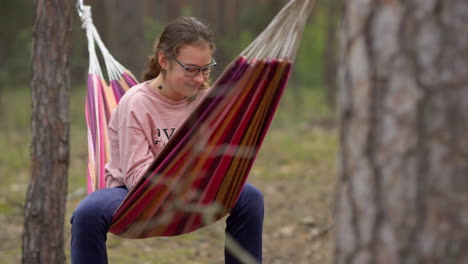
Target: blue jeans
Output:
[(93, 216)]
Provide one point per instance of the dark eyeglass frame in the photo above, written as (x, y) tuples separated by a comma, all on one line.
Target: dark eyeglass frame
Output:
[(205, 70)]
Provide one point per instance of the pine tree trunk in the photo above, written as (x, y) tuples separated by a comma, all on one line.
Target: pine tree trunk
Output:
[(333, 13), (125, 33), (43, 238), (403, 177)]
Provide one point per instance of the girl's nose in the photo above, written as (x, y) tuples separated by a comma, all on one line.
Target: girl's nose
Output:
[(199, 78)]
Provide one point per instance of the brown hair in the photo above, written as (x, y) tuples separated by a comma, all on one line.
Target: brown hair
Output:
[(183, 30)]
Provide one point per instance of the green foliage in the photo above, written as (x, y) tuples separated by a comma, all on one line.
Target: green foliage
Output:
[(294, 112), (15, 42), (186, 11), (245, 38), (15, 137), (78, 139), (308, 67), (256, 16)]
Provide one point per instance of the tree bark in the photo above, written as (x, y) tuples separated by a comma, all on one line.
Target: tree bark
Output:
[(155, 9), (330, 68), (43, 239), (403, 177), (125, 33)]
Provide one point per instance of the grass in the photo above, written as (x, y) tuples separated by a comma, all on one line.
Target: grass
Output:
[(294, 150)]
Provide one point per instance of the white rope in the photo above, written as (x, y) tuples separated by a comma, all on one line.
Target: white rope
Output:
[(114, 68), (87, 24)]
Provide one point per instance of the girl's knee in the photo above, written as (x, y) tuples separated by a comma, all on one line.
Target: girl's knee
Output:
[(253, 193), (252, 199), (88, 214), (98, 207)]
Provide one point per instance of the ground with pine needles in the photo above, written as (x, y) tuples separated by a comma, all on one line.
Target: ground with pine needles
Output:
[(295, 170)]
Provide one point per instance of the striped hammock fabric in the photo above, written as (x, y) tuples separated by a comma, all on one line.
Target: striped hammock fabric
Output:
[(101, 100), (198, 176)]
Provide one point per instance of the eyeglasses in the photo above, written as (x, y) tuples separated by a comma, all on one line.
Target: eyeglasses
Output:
[(192, 71)]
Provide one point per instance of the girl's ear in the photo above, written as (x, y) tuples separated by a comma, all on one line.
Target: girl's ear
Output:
[(162, 60)]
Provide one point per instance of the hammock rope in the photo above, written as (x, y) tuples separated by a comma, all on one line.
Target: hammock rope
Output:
[(207, 161)]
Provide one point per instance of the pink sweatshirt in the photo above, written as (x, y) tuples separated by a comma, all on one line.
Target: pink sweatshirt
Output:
[(139, 128)]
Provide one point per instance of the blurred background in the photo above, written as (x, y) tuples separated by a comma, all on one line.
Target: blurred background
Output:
[(295, 168), (130, 28)]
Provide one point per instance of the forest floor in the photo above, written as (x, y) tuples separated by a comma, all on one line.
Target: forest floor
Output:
[(295, 170)]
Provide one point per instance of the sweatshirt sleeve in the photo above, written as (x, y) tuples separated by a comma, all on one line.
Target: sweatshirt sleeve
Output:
[(135, 153)]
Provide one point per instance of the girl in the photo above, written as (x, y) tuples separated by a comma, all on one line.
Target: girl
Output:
[(176, 80)]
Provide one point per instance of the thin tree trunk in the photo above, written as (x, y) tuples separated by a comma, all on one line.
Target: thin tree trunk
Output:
[(231, 17), (155, 10), (43, 239), (333, 13), (403, 180), (125, 33)]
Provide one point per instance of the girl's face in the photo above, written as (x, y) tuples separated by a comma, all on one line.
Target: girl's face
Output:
[(176, 84)]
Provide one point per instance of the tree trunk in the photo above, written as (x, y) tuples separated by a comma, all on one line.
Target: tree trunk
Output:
[(125, 34), (403, 176), (155, 10), (43, 239), (333, 13)]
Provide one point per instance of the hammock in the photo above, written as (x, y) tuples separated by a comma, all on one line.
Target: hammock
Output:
[(198, 176)]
